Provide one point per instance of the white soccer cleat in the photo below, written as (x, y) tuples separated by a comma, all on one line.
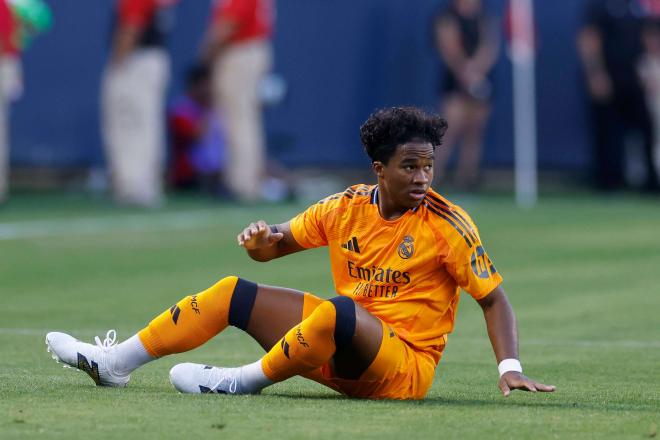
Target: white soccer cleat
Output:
[(95, 360), (202, 379)]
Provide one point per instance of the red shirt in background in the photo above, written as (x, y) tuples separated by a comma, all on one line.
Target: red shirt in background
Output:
[(8, 31), (136, 12), (254, 18)]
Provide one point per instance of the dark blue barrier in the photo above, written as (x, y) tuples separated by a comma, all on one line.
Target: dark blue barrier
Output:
[(341, 59)]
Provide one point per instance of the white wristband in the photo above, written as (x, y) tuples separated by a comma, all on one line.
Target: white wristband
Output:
[(509, 365)]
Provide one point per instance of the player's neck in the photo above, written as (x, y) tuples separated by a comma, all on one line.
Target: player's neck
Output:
[(387, 209)]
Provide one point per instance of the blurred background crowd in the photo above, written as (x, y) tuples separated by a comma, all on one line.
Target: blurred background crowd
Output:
[(254, 100)]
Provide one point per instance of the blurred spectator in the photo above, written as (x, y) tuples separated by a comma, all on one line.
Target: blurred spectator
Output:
[(649, 70), (238, 49), (20, 22), (468, 41), (195, 132), (133, 94), (610, 47), (7, 54)]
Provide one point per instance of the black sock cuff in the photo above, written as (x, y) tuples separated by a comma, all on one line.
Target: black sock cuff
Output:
[(345, 321), (242, 301)]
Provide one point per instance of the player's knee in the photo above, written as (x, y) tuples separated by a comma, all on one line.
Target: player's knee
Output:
[(330, 318), (344, 321), (226, 283), (322, 319)]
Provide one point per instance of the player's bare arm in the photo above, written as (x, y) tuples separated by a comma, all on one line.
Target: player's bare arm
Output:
[(265, 242), (503, 334)]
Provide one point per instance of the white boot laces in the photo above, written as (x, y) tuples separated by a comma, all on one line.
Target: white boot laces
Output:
[(109, 341), (233, 383)]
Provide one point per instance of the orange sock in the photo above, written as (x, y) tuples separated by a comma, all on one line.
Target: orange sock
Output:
[(311, 343), (197, 318)]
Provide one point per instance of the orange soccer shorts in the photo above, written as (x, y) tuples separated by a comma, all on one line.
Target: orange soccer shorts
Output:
[(397, 372)]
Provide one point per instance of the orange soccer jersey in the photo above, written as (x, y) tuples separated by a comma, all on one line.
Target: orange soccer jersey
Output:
[(408, 272)]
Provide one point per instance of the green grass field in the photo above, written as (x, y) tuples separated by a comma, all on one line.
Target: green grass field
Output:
[(582, 274)]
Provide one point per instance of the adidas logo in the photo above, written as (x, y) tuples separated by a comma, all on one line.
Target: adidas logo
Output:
[(207, 390), (285, 347), (92, 370), (174, 311), (352, 245)]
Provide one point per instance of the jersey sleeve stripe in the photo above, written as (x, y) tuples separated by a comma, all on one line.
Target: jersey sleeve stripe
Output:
[(359, 192), (437, 200), (451, 222), (465, 225), (349, 193), (374, 195), (328, 199)]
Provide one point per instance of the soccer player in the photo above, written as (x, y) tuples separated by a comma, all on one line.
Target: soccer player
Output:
[(399, 254)]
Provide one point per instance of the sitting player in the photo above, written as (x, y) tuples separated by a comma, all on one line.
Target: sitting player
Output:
[(399, 253)]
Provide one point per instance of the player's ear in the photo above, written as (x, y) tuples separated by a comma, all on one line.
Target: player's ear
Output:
[(377, 166)]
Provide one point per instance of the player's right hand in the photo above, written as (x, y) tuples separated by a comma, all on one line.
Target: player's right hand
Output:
[(257, 236), (512, 380)]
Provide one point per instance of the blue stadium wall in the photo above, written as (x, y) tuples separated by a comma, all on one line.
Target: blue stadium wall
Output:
[(341, 60)]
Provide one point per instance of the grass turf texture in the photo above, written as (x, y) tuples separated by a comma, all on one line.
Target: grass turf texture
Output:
[(581, 273)]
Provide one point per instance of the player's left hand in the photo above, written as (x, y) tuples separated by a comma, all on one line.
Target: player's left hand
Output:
[(512, 380)]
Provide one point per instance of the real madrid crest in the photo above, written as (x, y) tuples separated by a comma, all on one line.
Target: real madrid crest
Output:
[(406, 248)]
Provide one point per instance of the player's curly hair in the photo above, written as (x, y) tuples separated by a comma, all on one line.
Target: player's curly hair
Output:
[(388, 128)]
